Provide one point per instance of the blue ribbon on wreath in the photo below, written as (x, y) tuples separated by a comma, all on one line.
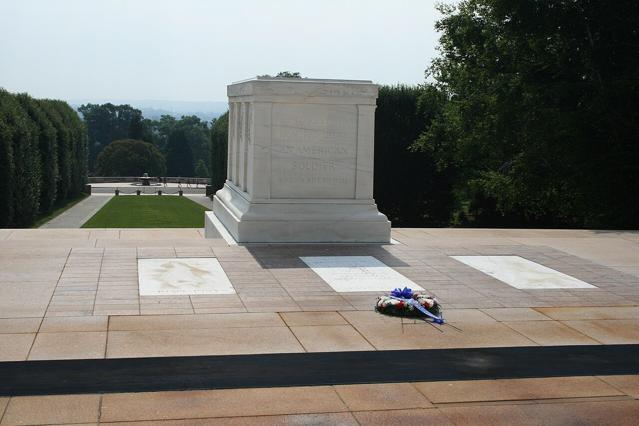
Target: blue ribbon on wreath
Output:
[(406, 295)]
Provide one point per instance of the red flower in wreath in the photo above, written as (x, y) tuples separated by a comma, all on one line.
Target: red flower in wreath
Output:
[(401, 304)]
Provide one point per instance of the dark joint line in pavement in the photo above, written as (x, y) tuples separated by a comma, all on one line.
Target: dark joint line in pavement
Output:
[(54, 377)]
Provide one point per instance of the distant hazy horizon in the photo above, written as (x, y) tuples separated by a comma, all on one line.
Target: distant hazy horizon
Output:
[(189, 50), (155, 108)]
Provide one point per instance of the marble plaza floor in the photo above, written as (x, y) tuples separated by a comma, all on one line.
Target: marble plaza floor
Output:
[(73, 294)]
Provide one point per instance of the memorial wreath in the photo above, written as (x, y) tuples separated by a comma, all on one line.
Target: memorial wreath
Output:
[(406, 303)]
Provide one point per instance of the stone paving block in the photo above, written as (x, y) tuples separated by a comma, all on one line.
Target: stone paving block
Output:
[(70, 345), (549, 333), (515, 389), (407, 417), (66, 324), (220, 310), (331, 338), (159, 234), (608, 332), (381, 396), (329, 419), (53, 234), (15, 347), (58, 409), (191, 322), (515, 314), (19, 325), (87, 312), (313, 318), (627, 384), (217, 341), (220, 403), (485, 415), (165, 310), (3, 405), (116, 310), (590, 413), (422, 335), (591, 313), (462, 315), (20, 300)]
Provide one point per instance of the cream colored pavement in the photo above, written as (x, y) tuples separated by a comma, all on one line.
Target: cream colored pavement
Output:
[(609, 400), (73, 293), (617, 249)]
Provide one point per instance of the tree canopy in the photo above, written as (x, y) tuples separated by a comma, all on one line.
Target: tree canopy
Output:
[(542, 111), (130, 157), (106, 123), (179, 156)]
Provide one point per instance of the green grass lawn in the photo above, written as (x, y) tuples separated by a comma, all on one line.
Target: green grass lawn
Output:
[(148, 211)]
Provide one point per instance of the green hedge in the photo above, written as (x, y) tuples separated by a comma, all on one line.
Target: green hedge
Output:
[(43, 156), (409, 187), (219, 150)]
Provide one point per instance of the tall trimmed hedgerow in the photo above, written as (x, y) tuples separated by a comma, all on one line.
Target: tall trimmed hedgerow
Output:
[(43, 156), (424, 197), (47, 149), (26, 160), (77, 148), (63, 151), (6, 171), (219, 142)]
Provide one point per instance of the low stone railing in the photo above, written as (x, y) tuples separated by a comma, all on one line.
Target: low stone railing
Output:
[(169, 179)]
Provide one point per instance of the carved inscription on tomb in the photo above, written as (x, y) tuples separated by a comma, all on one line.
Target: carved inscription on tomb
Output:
[(313, 152)]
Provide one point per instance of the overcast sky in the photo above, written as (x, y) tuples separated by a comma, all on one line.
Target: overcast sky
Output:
[(191, 49)]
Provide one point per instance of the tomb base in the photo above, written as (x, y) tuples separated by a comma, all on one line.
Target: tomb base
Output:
[(292, 221)]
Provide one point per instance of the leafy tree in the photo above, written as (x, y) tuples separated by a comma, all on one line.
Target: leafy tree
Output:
[(282, 74), (106, 123), (198, 136), (219, 150), (288, 74), (129, 157), (543, 111), (164, 127), (179, 157), (136, 126), (200, 169)]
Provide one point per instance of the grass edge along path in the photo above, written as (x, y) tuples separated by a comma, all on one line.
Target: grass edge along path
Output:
[(148, 211), (58, 208)]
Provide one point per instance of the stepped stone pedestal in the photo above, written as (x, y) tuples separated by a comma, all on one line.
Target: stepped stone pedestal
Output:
[(300, 163)]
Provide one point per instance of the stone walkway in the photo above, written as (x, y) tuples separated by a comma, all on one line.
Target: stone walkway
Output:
[(201, 199), (607, 400), (73, 294), (77, 215)]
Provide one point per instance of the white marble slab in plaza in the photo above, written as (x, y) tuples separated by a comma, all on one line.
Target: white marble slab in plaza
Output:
[(357, 273), (182, 277), (522, 273)]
